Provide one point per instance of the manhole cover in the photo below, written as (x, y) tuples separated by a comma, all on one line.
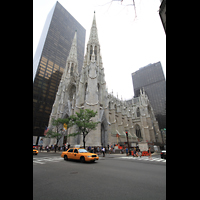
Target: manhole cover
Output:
[(73, 172)]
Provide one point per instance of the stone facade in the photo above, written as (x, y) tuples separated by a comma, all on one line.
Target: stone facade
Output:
[(88, 91)]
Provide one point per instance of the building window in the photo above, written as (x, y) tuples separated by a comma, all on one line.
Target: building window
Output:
[(95, 52), (137, 130), (109, 105), (91, 49), (138, 112), (72, 69)]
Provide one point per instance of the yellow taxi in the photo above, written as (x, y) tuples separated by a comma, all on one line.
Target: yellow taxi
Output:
[(79, 154), (35, 151)]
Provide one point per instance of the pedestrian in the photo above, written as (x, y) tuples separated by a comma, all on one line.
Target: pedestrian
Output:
[(103, 150), (139, 152), (55, 147), (127, 151), (149, 151), (134, 152)]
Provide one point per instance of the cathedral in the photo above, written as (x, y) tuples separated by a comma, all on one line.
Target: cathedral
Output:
[(88, 91)]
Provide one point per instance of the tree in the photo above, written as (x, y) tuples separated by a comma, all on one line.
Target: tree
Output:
[(84, 122), (58, 125)]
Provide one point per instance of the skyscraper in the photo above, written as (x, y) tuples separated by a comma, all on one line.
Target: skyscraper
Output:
[(50, 60), (152, 79)]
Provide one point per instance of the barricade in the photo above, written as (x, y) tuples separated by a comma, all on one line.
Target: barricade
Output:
[(145, 153)]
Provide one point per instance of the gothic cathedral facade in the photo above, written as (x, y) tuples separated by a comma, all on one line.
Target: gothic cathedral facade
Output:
[(88, 91)]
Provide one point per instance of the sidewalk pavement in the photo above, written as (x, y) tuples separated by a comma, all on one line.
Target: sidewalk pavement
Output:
[(100, 155)]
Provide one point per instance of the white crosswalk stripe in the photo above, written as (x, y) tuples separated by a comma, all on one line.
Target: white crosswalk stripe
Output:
[(44, 160), (143, 158)]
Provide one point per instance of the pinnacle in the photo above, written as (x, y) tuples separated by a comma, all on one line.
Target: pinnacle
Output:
[(93, 32)]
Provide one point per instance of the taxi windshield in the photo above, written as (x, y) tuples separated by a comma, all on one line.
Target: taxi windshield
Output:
[(83, 151)]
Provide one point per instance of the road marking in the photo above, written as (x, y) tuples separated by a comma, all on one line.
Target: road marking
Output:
[(38, 162), (143, 159), (43, 160)]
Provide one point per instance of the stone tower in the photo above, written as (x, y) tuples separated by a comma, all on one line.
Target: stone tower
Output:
[(92, 92), (65, 97)]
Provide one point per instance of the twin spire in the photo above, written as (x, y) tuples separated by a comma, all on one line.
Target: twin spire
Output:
[(93, 32), (73, 51), (72, 58)]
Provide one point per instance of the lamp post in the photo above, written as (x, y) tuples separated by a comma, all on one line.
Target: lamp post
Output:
[(127, 139)]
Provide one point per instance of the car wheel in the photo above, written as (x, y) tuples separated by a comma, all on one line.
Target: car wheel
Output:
[(65, 157), (82, 159)]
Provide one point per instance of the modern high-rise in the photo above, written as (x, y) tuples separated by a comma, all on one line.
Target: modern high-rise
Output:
[(151, 78), (50, 60)]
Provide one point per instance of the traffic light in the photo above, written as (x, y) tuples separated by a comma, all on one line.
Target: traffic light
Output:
[(65, 126)]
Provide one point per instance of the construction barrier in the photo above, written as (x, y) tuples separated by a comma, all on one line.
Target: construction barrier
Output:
[(145, 153)]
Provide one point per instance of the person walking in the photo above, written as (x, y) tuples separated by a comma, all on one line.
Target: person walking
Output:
[(127, 151), (103, 150), (149, 151)]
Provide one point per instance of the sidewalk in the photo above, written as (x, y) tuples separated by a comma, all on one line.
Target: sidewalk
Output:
[(101, 155)]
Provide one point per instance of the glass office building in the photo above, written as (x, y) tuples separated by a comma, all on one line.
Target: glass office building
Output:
[(50, 60), (151, 78)]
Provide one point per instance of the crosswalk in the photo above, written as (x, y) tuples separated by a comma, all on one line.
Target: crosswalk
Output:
[(143, 158), (45, 160)]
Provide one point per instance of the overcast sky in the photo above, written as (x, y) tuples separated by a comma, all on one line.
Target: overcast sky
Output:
[(127, 42)]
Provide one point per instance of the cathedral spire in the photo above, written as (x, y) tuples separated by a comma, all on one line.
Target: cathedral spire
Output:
[(73, 51), (93, 32), (72, 62)]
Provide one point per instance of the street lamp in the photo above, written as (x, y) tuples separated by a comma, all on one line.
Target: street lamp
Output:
[(127, 139)]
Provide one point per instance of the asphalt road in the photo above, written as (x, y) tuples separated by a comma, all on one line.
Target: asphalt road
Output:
[(108, 178)]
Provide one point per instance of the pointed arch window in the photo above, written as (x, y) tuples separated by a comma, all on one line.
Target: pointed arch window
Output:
[(95, 52), (91, 49), (138, 131), (109, 105), (85, 91), (72, 68), (138, 112), (115, 108)]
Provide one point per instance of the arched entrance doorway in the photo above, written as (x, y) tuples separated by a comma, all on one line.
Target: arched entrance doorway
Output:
[(104, 127)]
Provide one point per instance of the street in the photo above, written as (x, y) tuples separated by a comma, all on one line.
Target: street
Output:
[(111, 177)]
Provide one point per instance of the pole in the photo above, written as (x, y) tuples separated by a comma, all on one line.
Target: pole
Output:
[(127, 139)]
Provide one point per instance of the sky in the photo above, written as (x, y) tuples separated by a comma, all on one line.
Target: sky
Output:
[(127, 41)]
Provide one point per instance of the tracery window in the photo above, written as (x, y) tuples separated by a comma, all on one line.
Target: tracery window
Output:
[(138, 112)]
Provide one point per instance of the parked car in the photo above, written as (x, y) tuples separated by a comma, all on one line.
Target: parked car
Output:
[(163, 154), (79, 154)]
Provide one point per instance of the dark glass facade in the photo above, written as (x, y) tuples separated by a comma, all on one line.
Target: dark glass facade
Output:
[(50, 60), (152, 79)]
